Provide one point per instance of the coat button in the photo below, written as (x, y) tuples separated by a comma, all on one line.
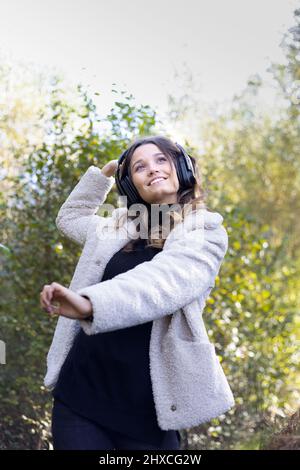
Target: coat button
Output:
[(98, 262), (173, 407)]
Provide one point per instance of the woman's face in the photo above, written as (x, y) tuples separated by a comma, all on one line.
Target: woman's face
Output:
[(148, 163)]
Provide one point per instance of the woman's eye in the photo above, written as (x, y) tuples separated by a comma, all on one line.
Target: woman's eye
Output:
[(141, 166)]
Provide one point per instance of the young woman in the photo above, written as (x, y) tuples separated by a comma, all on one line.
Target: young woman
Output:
[(130, 362)]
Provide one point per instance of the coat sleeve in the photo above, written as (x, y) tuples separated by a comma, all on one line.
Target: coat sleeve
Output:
[(79, 210), (175, 277)]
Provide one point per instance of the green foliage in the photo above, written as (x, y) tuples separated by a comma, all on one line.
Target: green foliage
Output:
[(250, 165), (40, 255), (251, 318)]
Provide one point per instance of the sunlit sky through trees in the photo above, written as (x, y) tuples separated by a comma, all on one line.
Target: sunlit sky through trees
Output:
[(140, 45)]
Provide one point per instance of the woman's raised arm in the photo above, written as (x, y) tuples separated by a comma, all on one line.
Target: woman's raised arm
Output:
[(79, 210)]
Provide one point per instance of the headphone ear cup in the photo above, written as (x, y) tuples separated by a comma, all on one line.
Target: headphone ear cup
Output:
[(131, 192), (126, 188), (180, 174), (186, 173)]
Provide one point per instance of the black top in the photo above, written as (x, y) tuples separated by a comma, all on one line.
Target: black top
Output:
[(106, 376)]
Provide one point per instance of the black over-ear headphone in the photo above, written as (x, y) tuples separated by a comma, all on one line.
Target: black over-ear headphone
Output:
[(184, 168)]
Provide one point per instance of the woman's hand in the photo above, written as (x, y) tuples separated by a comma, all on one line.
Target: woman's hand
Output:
[(68, 303), (110, 168)]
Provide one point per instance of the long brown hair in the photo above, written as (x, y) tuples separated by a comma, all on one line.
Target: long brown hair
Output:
[(188, 199)]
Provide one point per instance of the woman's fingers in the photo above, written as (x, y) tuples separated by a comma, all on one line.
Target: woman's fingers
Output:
[(43, 297), (51, 293), (70, 304), (42, 302)]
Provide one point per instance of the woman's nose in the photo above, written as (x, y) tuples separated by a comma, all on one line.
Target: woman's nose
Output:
[(152, 169)]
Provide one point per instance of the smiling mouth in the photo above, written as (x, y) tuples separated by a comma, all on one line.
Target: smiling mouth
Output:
[(157, 182)]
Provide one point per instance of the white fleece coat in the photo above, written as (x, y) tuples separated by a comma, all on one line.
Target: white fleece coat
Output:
[(188, 383)]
